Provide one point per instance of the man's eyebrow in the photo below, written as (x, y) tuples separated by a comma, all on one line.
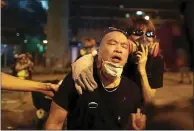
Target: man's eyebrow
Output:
[(113, 40)]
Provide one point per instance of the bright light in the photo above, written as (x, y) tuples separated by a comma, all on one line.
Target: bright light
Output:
[(139, 13), (5, 46), (121, 6), (25, 41), (147, 17), (127, 15), (17, 34), (45, 41), (44, 4)]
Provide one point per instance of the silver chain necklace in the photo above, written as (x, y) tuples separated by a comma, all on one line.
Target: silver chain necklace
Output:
[(107, 89), (110, 88)]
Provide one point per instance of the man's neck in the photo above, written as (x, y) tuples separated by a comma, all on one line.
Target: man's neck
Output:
[(108, 82)]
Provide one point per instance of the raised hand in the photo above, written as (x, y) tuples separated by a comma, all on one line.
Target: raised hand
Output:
[(138, 120), (142, 58)]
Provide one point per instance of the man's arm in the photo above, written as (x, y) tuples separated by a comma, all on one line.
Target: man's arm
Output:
[(56, 117), (63, 101)]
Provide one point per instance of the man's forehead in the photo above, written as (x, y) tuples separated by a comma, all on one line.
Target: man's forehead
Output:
[(115, 35)]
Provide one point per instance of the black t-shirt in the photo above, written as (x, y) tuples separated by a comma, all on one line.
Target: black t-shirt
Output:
[(99, 109), (154, 70)]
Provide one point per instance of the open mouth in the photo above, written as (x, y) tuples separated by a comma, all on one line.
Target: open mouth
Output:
[(116, 59)]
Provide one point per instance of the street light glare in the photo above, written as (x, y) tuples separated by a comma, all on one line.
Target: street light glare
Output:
[(45, 41), (139, 13), (147, 17)]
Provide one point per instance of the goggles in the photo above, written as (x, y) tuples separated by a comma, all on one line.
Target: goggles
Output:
[(148, 34)]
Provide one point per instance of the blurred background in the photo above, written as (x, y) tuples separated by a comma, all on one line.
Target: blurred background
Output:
[(53, 32)]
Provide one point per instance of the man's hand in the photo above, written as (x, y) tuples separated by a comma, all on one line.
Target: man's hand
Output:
[(138, 120), (82, 72), (142, 59)]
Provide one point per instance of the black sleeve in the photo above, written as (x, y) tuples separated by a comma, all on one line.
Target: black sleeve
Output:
[(155, 78), (66, 96)]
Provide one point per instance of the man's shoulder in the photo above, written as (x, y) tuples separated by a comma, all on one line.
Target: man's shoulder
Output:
[(67, 82)]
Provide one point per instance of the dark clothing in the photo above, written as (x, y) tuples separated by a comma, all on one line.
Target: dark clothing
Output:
[(154, 69), (99, 109)]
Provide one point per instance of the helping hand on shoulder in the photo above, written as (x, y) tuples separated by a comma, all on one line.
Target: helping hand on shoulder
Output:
[(82, 72)]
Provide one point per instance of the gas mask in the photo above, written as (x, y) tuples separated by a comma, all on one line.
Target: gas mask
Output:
[(111, 69), (153, 48)]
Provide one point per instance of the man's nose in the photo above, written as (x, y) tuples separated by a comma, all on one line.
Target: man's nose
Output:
[(118, 49)]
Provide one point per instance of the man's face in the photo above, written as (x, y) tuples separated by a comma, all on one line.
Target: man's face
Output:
[(114, 48)]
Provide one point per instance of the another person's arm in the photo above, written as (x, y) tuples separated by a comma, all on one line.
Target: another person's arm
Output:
[(12, 83), (149, 87)]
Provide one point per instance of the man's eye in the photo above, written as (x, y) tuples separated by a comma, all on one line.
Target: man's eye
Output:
[(125, 46), (112, 43)]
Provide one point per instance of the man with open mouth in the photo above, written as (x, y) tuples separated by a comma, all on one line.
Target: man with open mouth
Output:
[(115, 104)]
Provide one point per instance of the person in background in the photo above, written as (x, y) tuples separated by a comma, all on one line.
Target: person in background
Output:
[(182, 62), (29, 59), (89, 45), (23, 65)]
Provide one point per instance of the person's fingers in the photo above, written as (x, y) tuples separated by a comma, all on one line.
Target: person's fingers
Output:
[(139, 53), (50, 87), (89, 87), (86, 82), (142, 48), (133, 117), (83, 77), (138, 114), (78, 88), (80, 83), (138, 56), (90, 78), (55, 87), (143, 119)]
